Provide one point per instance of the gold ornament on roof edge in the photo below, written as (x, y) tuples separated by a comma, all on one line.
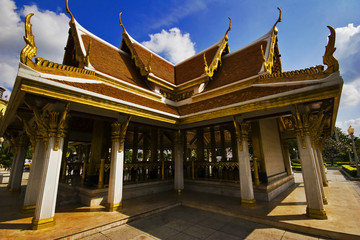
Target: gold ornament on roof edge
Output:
[(72, 20), (29, 51), (210, 69), (328, 58)]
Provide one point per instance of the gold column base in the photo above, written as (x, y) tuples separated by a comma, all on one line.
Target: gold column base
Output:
[(325, 201), (28, 209), (248, 203), (113, 207), (100, 185), (317, 214), (179, 191), (42, 223)]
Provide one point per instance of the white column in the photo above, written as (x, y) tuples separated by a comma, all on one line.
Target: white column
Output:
[(19, 159), (33, 186), (246, 184), (179, 164), (116, 178), (52, 128), (46, 200), (115, 192), (318, 166), (322, 169), (315, 206)]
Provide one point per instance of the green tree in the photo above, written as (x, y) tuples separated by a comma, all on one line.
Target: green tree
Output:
[(6, 155), (337, 147)]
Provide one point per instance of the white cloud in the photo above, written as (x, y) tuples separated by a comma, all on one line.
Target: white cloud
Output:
[(350, 94), (50, 30), (355, 123), (348, 51), (174, 45), (180, 11)]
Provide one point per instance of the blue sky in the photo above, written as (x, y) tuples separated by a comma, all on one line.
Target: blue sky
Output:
[(190, 26)]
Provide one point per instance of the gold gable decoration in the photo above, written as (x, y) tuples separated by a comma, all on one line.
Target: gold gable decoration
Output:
[(144, 69), (328, 58), (210, 69), (273, 60), (29, 51)]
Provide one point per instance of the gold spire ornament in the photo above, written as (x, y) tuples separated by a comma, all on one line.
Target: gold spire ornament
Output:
[(29, 51), (328, 58), (72, 20), (269, 62), (216, 61)]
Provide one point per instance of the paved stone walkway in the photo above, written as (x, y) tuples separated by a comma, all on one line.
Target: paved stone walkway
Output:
[(195, 216), (186, 223)]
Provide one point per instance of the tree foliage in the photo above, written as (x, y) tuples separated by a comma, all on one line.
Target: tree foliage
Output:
[(6, 155), (338, 147)]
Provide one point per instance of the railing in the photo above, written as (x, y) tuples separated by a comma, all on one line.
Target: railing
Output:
[(219, 171), (148, 171)]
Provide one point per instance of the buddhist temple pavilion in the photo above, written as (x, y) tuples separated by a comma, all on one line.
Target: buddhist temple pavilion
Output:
[(218, 122)]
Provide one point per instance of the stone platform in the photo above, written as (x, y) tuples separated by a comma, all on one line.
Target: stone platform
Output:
[(286, 211)]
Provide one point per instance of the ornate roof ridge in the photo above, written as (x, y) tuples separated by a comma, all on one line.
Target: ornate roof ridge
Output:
[(40, 62), (30, 51), (328, 59), (319, 69)]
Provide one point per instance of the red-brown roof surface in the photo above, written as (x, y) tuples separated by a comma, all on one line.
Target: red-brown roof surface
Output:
[(235, 97), (113, 62), (121, 94), (238, 65), (159, 67), (194, 67)]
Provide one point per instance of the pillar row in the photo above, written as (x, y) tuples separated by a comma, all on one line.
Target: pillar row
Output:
[(307, 128), (20, 146), (32, 188)]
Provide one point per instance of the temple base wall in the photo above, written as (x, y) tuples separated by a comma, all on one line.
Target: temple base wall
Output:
[(95, 197), (262, 192)]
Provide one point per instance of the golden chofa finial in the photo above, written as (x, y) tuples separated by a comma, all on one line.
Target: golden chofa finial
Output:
[(229, 27), (29, 51), (279, 20), (72, 20), (121, 24), (328, 58)]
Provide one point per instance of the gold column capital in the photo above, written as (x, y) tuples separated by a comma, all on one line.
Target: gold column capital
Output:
[(119, 132), (50, 124), (242, 132)]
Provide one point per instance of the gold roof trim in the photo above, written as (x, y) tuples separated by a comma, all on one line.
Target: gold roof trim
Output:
[(328, 58), (29, 51), (210, 69), (43, 65), (312, 73), (144, 69)]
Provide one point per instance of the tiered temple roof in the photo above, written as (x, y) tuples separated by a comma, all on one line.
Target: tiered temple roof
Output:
[(214, 83)]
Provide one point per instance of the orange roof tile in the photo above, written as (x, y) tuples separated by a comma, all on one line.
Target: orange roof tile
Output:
[(117, 93), (194, 67), (235, 97), (113, 62), (159, 67), (238, 65)]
